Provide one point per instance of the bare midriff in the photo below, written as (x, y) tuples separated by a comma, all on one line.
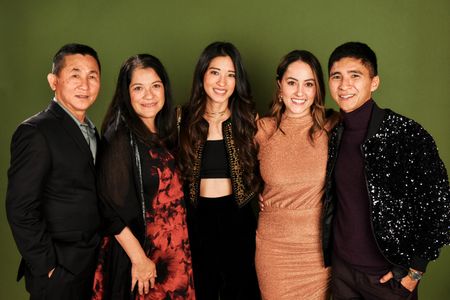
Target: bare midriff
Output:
[(215, 187)]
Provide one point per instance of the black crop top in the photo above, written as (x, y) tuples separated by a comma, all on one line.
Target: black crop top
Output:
[(214, 160)]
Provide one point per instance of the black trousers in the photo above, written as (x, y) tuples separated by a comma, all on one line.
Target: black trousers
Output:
[(349, 283), (61, 285), (223, 251)]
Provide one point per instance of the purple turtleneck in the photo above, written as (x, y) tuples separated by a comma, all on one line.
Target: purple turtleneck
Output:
[(354, 241)]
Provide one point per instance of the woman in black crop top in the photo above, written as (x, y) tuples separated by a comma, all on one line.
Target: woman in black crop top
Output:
[(219, 165), (214, 160)]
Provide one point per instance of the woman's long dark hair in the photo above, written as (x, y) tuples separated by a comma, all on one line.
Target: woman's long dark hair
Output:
[(243, 115), (121, 111), (318, 107)]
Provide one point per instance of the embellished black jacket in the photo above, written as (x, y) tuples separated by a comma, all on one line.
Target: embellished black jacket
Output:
[(241, 193), (408, 191)]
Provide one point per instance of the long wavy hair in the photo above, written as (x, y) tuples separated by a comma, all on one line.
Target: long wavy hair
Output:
[(120, 110), (317, 109), (243, 114)]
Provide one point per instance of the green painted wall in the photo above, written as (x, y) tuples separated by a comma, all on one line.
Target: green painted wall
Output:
[(410, 37)]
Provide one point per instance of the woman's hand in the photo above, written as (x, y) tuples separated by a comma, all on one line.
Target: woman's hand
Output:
[(261, 202), (143, 270), (143, 273)]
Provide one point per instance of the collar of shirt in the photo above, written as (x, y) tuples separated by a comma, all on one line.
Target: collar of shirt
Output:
[(87, 129), (87, 121)]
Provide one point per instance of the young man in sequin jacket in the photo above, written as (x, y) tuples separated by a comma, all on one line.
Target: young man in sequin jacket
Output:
[(386, 200)]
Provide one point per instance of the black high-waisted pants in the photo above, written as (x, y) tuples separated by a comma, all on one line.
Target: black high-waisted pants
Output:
[(223, 250)]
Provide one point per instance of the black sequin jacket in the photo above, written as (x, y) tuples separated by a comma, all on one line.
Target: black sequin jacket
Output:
[(241, 193), (408, 191)]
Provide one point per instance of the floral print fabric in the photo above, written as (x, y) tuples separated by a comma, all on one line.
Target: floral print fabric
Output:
[(167, 243)]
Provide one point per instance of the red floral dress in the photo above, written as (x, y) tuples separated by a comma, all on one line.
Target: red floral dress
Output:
[(167, 237)]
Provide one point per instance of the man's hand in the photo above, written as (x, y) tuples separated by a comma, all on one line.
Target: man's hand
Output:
[(51, 273), (409, 283)]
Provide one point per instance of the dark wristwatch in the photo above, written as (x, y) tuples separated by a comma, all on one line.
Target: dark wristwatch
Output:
[(414, 275)]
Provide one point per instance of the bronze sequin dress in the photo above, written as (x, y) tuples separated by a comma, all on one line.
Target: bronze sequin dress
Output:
[(289, 260)]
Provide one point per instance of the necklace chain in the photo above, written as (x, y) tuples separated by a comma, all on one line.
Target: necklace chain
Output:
[(216, 114)]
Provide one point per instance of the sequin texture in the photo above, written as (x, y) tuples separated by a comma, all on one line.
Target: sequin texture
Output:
[(408, 188)]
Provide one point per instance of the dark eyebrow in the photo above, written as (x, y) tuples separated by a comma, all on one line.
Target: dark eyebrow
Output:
[(218, 69), (295, 79), (355, 71), (139, 83), (90, 72), (334, 73)]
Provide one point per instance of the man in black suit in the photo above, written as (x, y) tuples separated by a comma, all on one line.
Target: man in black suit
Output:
[(51, 200)]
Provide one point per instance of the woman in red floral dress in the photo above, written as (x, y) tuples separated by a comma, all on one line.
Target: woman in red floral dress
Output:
[(146, 253)]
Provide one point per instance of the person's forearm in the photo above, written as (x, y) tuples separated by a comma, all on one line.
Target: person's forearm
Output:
[(131, 245)]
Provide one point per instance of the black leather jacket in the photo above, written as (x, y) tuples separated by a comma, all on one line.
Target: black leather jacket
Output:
[(408, 191)]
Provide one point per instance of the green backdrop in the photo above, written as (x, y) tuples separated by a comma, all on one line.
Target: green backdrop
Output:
[(410, 37)]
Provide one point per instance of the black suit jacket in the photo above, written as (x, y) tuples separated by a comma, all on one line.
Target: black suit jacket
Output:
[(51, 201)]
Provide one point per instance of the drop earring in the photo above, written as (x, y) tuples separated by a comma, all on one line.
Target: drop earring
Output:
[(280, 98)]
